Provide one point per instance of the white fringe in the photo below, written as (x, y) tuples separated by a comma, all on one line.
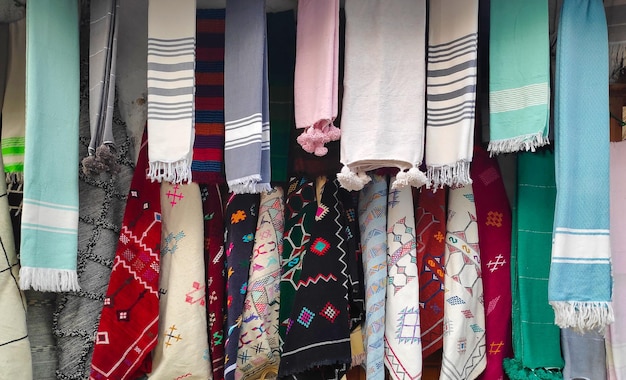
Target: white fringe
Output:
[(582, 316), (413, 177), (49, 280), (456, 175), (528, 142), (174, 172), (352, 181), (249, 185), (17, 178)]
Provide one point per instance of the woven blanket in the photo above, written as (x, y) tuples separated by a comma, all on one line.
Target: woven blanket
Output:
[(384, 80), (581, 247), (182, 349), (14, 105), (128, 329), (464, 342), (50, 214), (451, 91), (584, 354), (316, 74), (171, 56), (519, 76), (208, 145), (493, 215), (430, 217), (242, 213), (403, 346), (246, 98), (102, 66), (259, 345)]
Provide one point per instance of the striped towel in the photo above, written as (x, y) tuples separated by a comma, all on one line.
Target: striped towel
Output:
[(451, 91), (171, 43), (208, 145)]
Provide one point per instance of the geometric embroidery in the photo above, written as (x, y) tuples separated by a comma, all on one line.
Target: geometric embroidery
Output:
[(476, 328), (102, 338), (494, 265), (196, 294), (321, 212), (237, 217), (171, 336), (320, 246), (494, 348), (408, 330), (467, 313), (455, 300), (176, 196), (329, 312), (306, 317), (494, 219), (168, 240)]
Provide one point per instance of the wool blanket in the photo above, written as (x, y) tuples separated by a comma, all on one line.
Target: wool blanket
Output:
[(464, 342), (128, 328), (519, 75), (403, 347), (102, 66), (50, 214), (384, 80), (451, 91), (581, 247), (171, 57), (246, 98), (493, 215), (208, 145), (14, 106), (259, 345), (584, 354), (317, 74)]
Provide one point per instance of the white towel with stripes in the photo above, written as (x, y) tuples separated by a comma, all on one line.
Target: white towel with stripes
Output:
[(171, 57)]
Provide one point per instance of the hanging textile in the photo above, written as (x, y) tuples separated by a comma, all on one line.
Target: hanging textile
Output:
[(403, 348), (581, 246), (384, 80), (318, 329), (430, 216), (464, 344), (216, 271), (50, 213), (584, 354), (317, 74), (4, 59), (536, 339), (259, 345), (14, 106), (171, 48), (102, 66), (493, 216), (128, 328), (451, 91), (519, 75), (242, 212), (208, 144), (246, 98), (617, 39)]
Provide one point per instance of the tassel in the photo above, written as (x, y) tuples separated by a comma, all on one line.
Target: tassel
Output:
[(352, 181)]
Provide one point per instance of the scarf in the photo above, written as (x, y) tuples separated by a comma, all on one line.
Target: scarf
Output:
[(536, 339), (14, 106), (246, 98), (102, 64), (451, 91), (50, 214), (464, 342), (208, 144), (215, 269), (318, 329), (171, 82), (430, 216), (384, 80), (242, 212), (317, 74), (128, 328), (519, 76), (581, 247), (182, 350), (493, 215), (403, 347), (259, 344), (584, 354)]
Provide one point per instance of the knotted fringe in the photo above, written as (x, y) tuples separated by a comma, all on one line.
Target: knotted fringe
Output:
[(516, 371), (49, 280), (582, 316), (313, 138), (520, 143), (249, 185), (103, 160), (352, 181), (14, 178), (413, 177), (174, 172), (453, 176)]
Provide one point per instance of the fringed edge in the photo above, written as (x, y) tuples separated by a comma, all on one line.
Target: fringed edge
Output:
[(249, 185), (515, 370), (174, 172), (528, 142), (49, 280), (352, 181), (313, 138), (413, 177), (14, 178), (582, 316), (456, 175)]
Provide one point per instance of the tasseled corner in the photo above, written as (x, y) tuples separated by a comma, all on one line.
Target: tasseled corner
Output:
[(456, 175), (516, 371), (313, 139), (583, 316), (521, 143), (48, 280), (352, 181), (174, 172), (249, 185), (102, 161), (413, 177)]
